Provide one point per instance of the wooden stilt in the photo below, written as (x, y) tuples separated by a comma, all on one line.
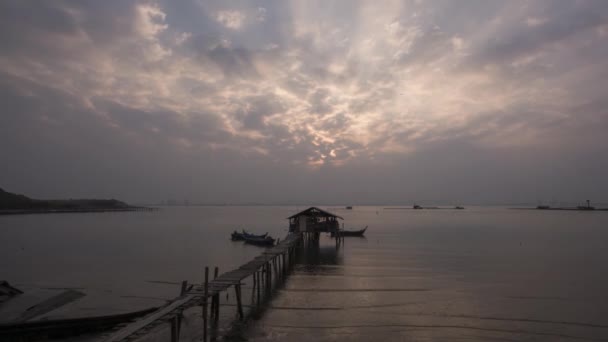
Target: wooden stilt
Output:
[(261, 277), (176, 321), (269, 279), (206, 292), (216, 298), (237, 290), (280, 267), (174, 332), (284, 257), (179, 318), (253, 286), (258, 287), (184, 287)]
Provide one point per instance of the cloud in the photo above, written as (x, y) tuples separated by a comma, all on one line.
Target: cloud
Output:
[(231, 19), (309, 88)]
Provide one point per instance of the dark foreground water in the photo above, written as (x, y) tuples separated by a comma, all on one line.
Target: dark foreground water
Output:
[(481, 274)]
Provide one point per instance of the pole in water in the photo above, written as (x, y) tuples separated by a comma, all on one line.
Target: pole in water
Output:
[(216, 297), (184, 287), (237, 290), (258, 280), (174, 329), (206, 292)]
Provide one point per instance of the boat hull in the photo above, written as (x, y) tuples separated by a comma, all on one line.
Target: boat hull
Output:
[(348, 233)]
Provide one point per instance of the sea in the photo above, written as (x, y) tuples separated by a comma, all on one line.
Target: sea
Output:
[(479, 274)]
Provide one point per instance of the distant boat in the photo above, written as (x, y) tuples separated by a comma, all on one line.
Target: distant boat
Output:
[(543, 207), (416, 206), (350, 232), (582, 207), (259, 241), (586, 207), (458, 207), (349, 208)]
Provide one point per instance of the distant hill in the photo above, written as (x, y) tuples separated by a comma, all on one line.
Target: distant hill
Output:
[(11, 201)]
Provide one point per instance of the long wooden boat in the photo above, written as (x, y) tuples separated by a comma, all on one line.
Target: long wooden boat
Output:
[(43, 329), (259, 241), (249, 235), (350, 232), (236, 236)]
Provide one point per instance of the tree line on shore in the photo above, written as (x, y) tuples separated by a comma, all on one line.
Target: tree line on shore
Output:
[(12, 201)]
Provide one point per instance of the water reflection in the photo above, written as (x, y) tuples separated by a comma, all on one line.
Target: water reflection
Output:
[(317, 253)]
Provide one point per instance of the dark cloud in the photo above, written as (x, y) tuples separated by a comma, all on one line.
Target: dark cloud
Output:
[(551, 23)]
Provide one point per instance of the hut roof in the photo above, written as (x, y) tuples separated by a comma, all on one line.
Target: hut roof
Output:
[(314, 211)]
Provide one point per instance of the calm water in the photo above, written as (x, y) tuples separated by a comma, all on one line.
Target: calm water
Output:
[(479, 274)]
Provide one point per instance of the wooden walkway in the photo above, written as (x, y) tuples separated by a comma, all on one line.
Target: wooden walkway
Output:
[(279, 258)]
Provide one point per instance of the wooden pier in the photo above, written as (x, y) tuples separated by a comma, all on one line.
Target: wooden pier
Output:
[(277, 259)]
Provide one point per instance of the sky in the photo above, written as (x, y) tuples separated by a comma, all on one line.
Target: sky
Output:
[(295, 102)]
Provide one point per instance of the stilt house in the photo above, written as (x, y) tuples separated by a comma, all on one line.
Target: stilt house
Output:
[(314, 220)]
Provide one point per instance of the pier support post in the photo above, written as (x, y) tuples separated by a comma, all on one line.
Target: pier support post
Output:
[(237, 290), (216, 299), (268, 279), (183, 288), (253, 286), (175, 323), (284, 257), (206, 292), (258, 280)]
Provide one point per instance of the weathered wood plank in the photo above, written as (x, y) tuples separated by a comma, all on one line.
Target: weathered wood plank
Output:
[(144, 322)]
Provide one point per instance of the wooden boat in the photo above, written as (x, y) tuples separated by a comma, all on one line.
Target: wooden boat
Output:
[(236, 236), (259, 241), (350, 232), (247, 234), (48, 329)]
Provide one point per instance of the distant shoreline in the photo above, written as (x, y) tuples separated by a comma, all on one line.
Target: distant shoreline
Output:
[(15, 204), (562, 209), (72, 211)]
